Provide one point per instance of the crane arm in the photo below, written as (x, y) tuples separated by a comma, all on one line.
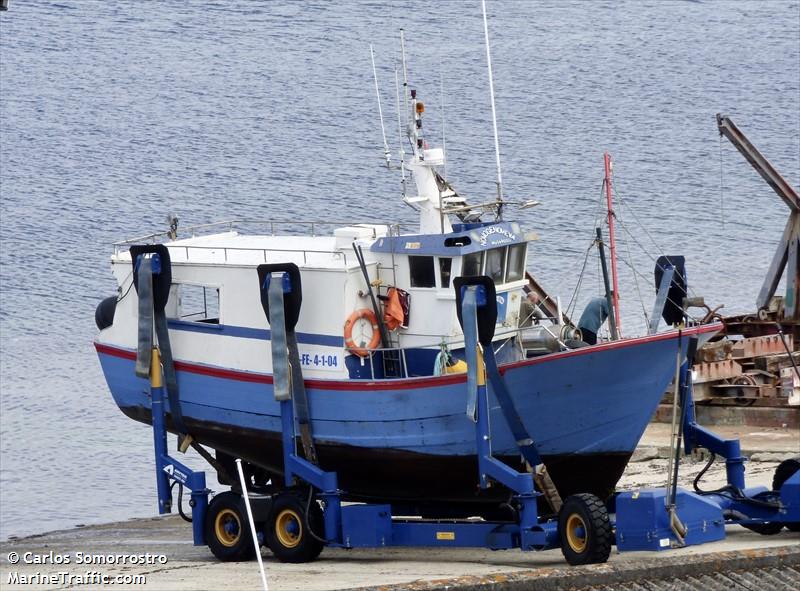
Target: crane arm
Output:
[(784, 190)]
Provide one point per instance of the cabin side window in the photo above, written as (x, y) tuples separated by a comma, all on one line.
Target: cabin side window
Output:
[(516, 262), (496, 264), (194, 303), (422, 270), (445, 268), (473, 263)]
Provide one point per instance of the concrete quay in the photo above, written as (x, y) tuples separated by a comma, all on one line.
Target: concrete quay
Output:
[(172, 563)]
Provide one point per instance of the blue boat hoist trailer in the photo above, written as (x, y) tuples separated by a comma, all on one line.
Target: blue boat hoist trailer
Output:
[(299, 520)]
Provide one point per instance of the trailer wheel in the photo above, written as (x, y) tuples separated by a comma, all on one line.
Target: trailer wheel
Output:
[(785, 470), (227, 530), (287, 530), (584, 530)]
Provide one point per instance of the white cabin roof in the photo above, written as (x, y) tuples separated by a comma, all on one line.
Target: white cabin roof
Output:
[(232, 248)]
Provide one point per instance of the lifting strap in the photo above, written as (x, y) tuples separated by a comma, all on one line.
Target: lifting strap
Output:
[(486, 321), (524, 441), (150, 315), (286, 370)]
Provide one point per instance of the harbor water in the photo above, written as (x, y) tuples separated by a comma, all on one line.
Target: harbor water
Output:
[(113, 115)]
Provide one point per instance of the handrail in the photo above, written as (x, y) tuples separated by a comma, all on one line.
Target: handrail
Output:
[(305, 251), (191, 230)]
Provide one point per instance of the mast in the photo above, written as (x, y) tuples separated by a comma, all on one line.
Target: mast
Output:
[(494, 114), (611, 239)]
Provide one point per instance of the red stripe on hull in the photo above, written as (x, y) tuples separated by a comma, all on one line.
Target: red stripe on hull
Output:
[(408, 383)]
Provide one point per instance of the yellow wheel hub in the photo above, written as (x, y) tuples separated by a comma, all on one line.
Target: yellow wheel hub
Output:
[(576, 533), (228, 527), (288, 528)]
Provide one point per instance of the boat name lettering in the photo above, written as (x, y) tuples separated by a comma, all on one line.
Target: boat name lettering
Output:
[(504, 235)]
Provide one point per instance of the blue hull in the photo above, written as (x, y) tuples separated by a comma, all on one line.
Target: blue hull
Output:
[(586, 410)]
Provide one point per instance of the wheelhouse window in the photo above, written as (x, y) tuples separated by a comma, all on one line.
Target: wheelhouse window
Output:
[(423, 273), (473, 263), (495, 264), (445, 267), (194, 303), (516, 262)]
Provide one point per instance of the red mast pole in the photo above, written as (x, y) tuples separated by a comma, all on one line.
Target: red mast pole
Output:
[(612, 241)]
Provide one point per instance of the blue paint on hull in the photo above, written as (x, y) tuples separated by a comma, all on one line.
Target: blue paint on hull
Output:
[(596, 401)]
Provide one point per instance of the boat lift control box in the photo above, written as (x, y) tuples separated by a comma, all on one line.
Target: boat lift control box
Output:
[(367, 526), (643, 524)]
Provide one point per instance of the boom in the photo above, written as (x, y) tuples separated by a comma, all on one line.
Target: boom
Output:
[(790, 239)]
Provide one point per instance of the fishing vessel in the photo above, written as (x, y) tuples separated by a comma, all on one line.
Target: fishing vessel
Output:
[(381, 353)]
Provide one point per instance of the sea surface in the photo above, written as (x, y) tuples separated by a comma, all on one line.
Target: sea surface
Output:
[(115, 114)]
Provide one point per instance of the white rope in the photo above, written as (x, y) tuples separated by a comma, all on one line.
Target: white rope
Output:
[(252, 523)]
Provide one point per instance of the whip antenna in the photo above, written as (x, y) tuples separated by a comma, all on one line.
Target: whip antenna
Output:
[(494, 114), (386, 153), (405, 73), (400, 129)]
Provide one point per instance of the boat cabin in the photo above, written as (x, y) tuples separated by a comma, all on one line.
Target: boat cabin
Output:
[(214, 299)]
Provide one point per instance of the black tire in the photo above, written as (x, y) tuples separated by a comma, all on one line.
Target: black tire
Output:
[(584, 530), (287, 529), (227, 529), (784, 472)]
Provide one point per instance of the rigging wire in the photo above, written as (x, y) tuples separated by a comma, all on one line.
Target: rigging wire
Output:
[(574, 299), (629, 237), (721, 186), (636, 280)]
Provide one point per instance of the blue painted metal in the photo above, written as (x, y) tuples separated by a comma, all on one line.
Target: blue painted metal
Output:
[(642, 522), (484, 237), (160, 447), (155, 262), (367, 526), (735, 499), (521, 483), (294, 466), (790, 498), (167, 468), (696, 435)]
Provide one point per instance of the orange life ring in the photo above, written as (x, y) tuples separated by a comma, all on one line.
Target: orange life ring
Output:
[(367, 314)]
